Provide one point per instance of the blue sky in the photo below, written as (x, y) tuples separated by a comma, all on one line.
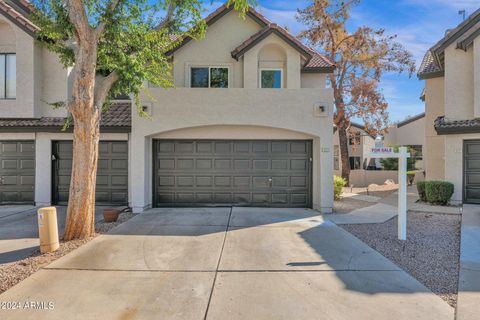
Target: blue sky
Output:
[(418, 24)]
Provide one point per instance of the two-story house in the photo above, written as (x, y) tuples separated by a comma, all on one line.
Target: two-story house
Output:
[(248, 122), (360, 143), (451, 70)]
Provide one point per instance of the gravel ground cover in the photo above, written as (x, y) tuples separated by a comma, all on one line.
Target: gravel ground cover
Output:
[(430, 254), (375, 190), (13, 273), (346, 205)]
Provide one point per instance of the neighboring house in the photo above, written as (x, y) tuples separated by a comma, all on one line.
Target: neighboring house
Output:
[(360, 143), (409, 132), (249, 123), (451, 70)]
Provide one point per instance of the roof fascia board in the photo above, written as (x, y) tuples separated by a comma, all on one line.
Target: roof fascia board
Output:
[(431, 75), (239, 54), (465, 43), (442, 45), (214, 19)]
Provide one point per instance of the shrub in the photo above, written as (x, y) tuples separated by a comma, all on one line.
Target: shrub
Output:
[(421, 190), (338, 184), (438, 192)]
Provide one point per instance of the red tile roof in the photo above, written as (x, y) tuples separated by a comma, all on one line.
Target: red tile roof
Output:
[(118, 116), (315, 61), (13, 11)]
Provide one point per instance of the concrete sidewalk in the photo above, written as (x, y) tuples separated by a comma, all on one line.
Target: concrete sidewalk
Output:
[(469, 281), (226, 263), (19, 230)]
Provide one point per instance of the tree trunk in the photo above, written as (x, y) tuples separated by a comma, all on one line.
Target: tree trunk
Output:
[(343, 140), (86, 134), (81, 204)]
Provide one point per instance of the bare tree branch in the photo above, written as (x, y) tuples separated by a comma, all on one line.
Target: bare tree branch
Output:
[(103, 86), (101, 26), (78, 17), (168, 17)]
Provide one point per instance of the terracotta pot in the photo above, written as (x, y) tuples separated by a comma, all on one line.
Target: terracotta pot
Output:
[(110, 214)]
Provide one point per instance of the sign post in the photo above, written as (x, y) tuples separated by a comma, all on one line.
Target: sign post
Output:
[(401, 155)]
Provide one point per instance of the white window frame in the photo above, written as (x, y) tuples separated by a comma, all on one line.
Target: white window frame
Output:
[(270, 69), (188, 78), (4, 55)]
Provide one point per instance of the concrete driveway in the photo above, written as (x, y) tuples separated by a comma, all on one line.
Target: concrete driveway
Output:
[(226, 263), (19, 230)]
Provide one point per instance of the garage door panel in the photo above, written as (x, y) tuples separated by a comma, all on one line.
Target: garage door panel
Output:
[(471, 171), (9, 164), (204, 147), (222, 164), (17, 170), (473, 178), (223, 198), (204, 164), (112, 172), (242, 164), (204, 197), (226, 172), (241, 147), (185, 164), (166, 164), (473, 164)]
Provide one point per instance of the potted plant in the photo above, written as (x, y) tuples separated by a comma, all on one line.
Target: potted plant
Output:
[(110, 214), (411, 177)]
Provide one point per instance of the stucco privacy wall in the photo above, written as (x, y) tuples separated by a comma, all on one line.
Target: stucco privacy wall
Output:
[(215, 49), (284, 110), (434, 151), (43, 161)]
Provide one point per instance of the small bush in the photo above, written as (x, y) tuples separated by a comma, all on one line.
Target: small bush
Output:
[(421, 190), (338, 184), (438, 192)]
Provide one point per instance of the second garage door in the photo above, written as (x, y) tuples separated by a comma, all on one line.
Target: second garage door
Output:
[(112, 174), (17, 172), (232, 172)]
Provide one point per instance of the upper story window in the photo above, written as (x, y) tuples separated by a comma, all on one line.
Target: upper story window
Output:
[(354, 140), (209, 77), (271, 78), (8, 76)]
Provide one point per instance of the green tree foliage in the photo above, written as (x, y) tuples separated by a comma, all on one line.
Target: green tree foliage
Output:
[(134, 36), (392, 163)]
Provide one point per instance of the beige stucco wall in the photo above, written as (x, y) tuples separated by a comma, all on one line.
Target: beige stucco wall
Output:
[(253, 62), (458, 83), (313, 80), (412, 133), (215, 49), (234, 114), (434, 149), (40, 76), (476, 77)]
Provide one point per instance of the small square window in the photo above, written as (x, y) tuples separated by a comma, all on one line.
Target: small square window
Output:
[(209, 77), (271, 79), (199, 78), (218, 77)]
